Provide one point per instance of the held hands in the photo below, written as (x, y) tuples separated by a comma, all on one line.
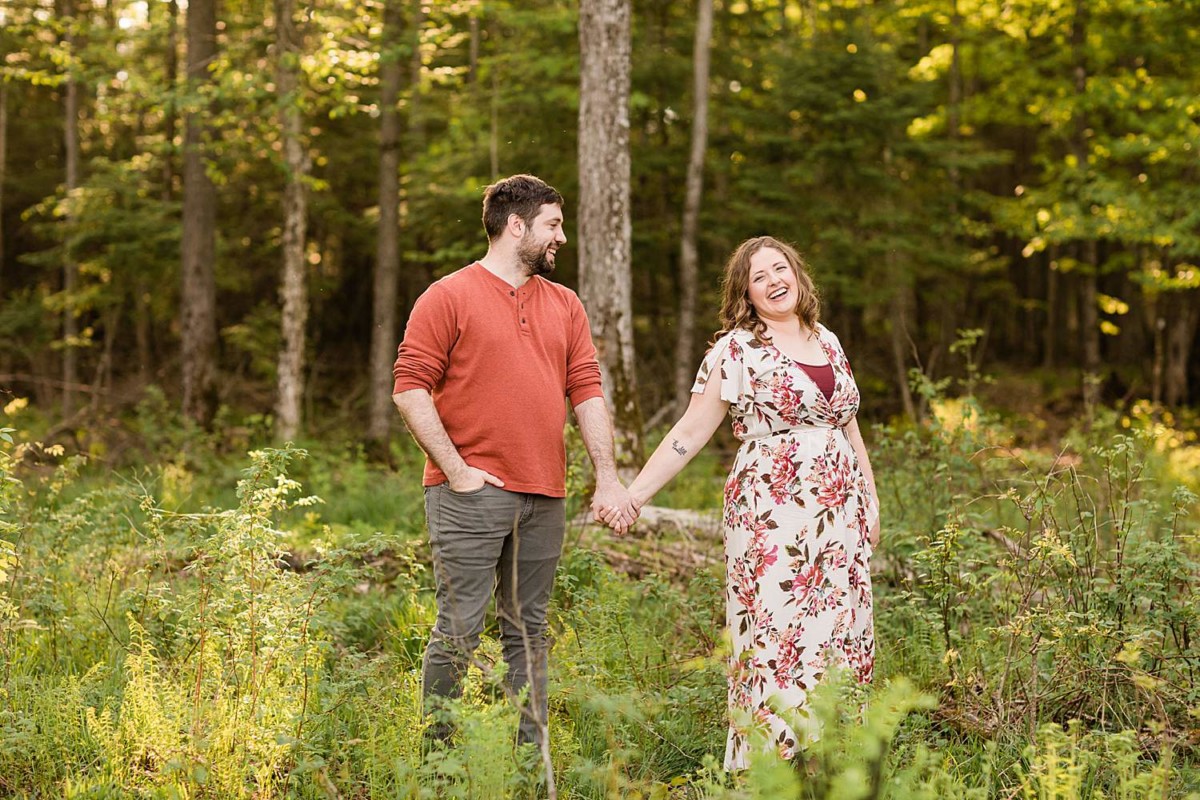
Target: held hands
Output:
[(615, 506)]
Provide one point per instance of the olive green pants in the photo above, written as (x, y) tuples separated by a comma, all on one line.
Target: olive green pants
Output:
[(486, 543)]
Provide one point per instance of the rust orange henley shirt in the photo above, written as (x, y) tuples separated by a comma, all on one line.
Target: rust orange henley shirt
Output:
[(498, 362)]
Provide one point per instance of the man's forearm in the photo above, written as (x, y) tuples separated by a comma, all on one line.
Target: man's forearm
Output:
[(421, 417), (596, 429)]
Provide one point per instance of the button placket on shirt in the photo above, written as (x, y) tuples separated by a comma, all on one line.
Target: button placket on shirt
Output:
[(522, 323)]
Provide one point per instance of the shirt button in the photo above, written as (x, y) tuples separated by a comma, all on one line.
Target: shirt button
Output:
[(512, 294)]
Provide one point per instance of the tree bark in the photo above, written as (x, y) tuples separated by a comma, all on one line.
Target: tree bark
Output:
[(416, 125), (901, 306), (1158, 367), (387, 252), (171, 70), (293, 289), (473, 50), (198, 296), (1179, 334), (954, 104), (1089, 322), (1050, 332), (605, 229), (494, 127), (685, 368), (70, 373), (143, 335), (3, 169)]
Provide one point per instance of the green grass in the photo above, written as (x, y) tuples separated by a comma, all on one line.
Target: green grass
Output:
[(153, 645)]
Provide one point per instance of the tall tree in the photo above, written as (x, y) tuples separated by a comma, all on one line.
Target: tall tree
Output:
[(3, 166), (1180, 326), (293, 290), (688, 249), (70, 375), (1088, 257), (143, 313), (387, 248), (605, 228), (198, 296)]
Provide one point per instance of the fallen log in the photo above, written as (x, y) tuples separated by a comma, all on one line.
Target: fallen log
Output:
[(657, 519)]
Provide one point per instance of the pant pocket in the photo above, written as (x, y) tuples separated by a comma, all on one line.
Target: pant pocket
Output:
[(480, 511), (471, 493), (432, 523)]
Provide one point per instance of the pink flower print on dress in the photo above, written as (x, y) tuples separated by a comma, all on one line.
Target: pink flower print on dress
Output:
[(831, 474), (795, 518), (785, 666), (735, 350), (843, 406), (833, 556), (860, 657), (807, 584), (781, 480), (787, 401), (861, 524), (760, 552)]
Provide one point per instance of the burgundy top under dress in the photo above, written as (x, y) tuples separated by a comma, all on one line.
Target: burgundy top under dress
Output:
[(822, 376)]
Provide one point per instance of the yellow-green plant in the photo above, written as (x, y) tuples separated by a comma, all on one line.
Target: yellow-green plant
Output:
[(229, 710), (9, 486)]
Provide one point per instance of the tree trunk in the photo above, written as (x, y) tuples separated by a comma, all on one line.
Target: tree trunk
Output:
[(70, 373), (902, 303), (685, 368), (473, 50), (605, 229), (1159, 365), (953, 106), (3, 169), (293, 289), (1089, 322), (171, 70), (416, 125), (1050, 333), (143, 334), (198, 296), (494, 127), (387, 252), (1179, 334)]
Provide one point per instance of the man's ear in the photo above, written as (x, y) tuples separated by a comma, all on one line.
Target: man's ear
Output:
[(516, 225)]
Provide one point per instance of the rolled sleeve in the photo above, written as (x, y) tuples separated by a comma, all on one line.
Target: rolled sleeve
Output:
[(583, 370), (423, 356)]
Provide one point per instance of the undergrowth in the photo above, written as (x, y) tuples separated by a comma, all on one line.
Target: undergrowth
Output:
[(175, 631)]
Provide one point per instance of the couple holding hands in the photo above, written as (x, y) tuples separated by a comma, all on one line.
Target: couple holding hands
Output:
[(489, 353)]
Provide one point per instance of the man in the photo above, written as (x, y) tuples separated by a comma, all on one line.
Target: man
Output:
[(490, 355)]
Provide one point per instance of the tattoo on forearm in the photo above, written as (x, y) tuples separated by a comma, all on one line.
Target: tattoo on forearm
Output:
[(678, 448)]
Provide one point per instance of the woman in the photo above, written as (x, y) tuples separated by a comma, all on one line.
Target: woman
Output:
[(801, 511)]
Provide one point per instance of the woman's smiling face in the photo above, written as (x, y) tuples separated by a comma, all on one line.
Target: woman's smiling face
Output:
[(772, 285)]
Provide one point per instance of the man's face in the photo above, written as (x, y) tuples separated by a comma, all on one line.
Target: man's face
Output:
[(541, 240)]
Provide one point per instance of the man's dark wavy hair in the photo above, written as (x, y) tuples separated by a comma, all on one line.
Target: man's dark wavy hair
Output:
[(523, 195)]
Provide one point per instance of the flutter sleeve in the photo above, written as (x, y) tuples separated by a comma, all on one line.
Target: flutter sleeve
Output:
[(724, 361)]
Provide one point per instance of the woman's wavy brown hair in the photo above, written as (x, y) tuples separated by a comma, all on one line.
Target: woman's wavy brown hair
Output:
[(736, 311)]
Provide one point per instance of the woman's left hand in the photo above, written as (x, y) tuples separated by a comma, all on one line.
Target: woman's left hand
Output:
[(875, 533)]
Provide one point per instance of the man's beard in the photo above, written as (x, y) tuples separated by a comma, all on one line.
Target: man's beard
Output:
[(534, 257)]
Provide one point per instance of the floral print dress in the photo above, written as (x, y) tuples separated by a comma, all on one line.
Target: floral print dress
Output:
[(797, 517)]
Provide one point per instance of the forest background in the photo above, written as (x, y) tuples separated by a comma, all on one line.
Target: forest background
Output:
[(215, 218)]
